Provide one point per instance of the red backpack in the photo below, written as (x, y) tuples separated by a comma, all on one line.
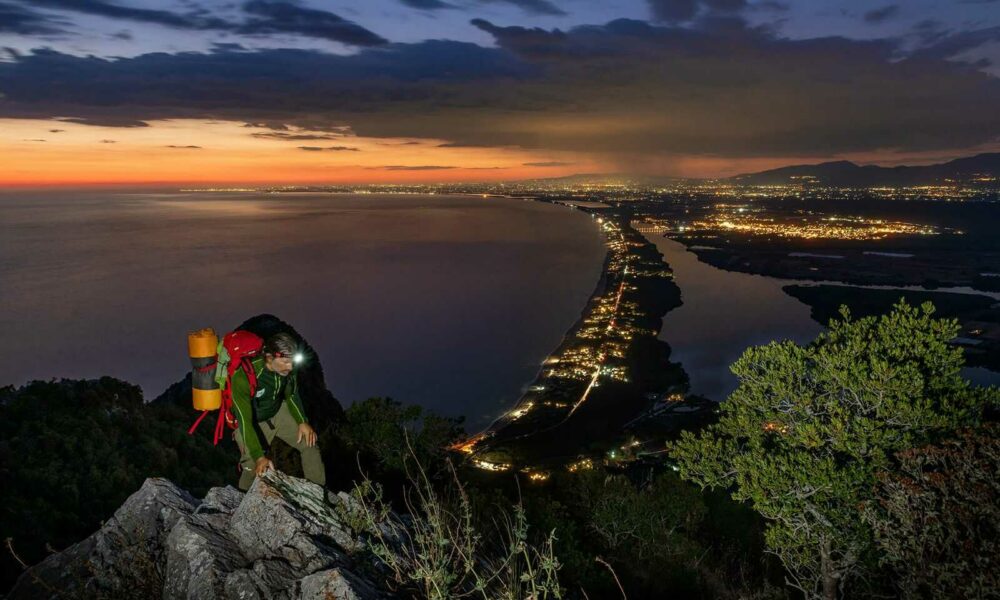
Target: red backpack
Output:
[(236, 351)]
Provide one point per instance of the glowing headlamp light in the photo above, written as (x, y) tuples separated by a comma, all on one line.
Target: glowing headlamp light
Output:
[(298, 358)]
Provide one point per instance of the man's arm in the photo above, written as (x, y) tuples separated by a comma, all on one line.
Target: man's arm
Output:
[(293, 399), (244, 415)]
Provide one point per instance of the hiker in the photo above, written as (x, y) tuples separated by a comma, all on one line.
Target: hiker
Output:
[(275, 410)]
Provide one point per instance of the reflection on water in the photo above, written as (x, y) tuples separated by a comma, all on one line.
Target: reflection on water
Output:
[(724, 312), (449, 302), (981, 376)]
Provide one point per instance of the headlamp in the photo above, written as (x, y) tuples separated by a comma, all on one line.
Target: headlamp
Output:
[(297, 358)]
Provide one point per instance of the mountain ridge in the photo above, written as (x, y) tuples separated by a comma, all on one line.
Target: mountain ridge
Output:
[(844, 173), (837, 173)]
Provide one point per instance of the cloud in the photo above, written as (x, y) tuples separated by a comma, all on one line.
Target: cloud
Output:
[(183, 147), (534, 7), (228, 47), (726, 5), (461, 145), (276, 16), (627, 90), (299, 137), (333, 148), (930, 31), (109, 141), (272, 126), (410, 168), (949, 46), (56, 130), (427, 4), (115, 11), (264, 17), (535, 41), (21, 21), (550, 163), (106, 121), (880, 15), (681, 11), (673, 11)]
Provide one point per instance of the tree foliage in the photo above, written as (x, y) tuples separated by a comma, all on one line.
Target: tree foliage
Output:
[(654, 523), (808, 428), (937, 518), (385, 433), (72, 451)]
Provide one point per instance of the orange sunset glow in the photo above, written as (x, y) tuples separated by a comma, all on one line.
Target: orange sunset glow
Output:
[(55, 152), (60, 153)]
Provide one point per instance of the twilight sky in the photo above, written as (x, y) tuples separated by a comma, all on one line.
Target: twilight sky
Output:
[(312, 91)]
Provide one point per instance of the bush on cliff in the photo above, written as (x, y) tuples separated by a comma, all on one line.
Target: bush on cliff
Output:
[(805, 435), (937, 519)]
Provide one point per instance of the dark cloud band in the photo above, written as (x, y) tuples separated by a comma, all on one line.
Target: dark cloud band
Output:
[(625, 88), (263, 17)]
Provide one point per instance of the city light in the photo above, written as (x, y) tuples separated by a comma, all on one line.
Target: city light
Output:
[(491, 466)]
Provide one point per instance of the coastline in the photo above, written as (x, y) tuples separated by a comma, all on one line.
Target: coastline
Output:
[(599, 290), (607, 372)]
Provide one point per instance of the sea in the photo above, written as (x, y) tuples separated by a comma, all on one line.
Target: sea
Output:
[(449, 302)]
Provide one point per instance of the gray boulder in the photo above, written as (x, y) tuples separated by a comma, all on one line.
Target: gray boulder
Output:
[(282, 539), (200, 557), (334, 583)]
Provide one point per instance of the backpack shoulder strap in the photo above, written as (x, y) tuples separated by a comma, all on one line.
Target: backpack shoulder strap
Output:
[(251, 372)]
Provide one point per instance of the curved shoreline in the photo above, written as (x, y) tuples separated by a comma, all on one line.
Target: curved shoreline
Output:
[(599, 290), (610, 364)]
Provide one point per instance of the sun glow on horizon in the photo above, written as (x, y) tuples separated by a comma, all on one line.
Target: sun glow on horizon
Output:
[(55, 152), (170, 152)]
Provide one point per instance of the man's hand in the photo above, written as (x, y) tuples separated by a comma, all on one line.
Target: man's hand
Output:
[(306, 433), (264, 465)]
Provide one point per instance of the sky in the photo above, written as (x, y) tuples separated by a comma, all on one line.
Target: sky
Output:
[(251, 92)]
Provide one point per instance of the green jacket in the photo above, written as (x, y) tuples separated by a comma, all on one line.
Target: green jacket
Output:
[(272, 390)]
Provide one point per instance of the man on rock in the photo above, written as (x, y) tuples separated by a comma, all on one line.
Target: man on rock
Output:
[(275, 410)]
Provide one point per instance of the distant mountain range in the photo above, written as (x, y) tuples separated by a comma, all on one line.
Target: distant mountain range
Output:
[(981, 169)]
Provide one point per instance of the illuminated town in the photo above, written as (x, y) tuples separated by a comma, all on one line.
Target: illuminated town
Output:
[(625, 190), (746, 219)]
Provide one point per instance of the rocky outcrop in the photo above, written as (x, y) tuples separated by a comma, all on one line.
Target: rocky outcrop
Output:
[(282, 539)]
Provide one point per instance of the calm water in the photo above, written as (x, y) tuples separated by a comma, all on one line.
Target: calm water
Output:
[(724, 312), (448, 302)]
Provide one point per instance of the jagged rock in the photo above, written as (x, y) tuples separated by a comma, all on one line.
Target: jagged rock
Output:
[(282, 539), (335, 583), (245, 585), (200, 557), (123, 558), (291, 518), (221, 499), (62, 574)]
